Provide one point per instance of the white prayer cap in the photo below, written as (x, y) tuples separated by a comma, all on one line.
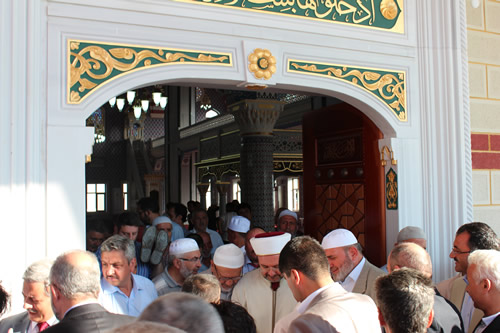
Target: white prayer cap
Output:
[(409, 233), (338, 238), (287, 212), (270, 243), (183, 245), (229, 256), (239, 224), (161, 220)]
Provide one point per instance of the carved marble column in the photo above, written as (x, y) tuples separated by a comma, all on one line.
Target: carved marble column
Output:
[(256, 120), (203, 188), (222, 188)]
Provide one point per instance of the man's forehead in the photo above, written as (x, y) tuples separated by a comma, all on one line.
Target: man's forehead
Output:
[(113, 255), (287, 218), (269, 260)]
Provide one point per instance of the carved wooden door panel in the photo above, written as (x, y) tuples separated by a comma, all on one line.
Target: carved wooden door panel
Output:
[(343, 178)]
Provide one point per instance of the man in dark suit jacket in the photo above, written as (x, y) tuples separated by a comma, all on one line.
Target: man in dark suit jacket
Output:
[(18, 322), (36, 292), (483, 274), (411, 255), (75, 285)]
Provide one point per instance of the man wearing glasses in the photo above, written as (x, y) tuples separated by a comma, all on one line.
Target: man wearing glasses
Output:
[(227, 267), (183, 261), (469, 237)]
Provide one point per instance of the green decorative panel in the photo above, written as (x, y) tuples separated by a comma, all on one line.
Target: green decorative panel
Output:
[(391, 190), (388, 86), (93, 64), (375, 14)]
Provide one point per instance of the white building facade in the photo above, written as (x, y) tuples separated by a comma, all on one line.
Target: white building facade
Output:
[(44, 140)]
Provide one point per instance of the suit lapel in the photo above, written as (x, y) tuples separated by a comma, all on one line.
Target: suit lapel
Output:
[(360, 285), (458, 293)]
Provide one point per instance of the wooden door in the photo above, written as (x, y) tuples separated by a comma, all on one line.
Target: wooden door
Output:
[(343, 177)]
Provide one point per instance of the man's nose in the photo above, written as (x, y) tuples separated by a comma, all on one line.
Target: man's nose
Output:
[(27, 306)]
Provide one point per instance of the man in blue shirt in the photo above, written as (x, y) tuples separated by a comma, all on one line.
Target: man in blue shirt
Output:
[(122, 291)]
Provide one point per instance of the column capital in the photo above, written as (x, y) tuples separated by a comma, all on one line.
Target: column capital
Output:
[(256, 116)]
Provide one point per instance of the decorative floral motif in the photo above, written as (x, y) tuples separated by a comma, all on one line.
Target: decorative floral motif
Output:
[(389, 9), (386, 85), (91, 64), (262, 64)]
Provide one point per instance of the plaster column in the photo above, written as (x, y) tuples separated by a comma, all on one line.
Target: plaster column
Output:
[(203, 188), (256, 120)]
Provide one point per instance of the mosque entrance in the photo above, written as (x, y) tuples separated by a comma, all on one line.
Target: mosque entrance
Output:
[(343, 177)]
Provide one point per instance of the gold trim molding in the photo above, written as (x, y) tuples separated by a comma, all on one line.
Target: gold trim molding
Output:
[(389, 86), (93, 64)]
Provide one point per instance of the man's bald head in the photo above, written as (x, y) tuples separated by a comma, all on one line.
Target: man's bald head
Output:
[(248, 246), (410, 255), (76, 274)]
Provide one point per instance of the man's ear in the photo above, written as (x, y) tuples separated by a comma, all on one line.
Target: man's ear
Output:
[(177, 263), (431, 318), (381, 318), (55, 293), (353, 252), (212, 267), (295, 275), (486, 284)]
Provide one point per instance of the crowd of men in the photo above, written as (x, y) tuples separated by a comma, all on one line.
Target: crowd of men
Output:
[(156, 274)]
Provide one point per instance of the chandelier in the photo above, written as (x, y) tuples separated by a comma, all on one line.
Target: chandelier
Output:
[(139, 100)]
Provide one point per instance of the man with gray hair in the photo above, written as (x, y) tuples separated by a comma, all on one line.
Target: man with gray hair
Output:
[(74, 287), (36, 292), (184, 311), (405, 299), (204, 285), (410, 255), (183, 260), (122, 291), (483, 273)]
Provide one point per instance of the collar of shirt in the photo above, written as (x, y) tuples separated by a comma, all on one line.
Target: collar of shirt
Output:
[(169, 280), (33, 328), (108, 288), (351, 279), (488, 320), (305, 303)]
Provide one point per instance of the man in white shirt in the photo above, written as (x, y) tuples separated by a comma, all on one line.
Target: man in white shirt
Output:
[(36, 293), (483, 273), (325, 306), (348, 266), (200, 223)]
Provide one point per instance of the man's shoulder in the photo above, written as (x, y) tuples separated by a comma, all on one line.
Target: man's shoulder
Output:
[(84, 317), (214, 233), (143, 281), (372, 269), (18, 321)]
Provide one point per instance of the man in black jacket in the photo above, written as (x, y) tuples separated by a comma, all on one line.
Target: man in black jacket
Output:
[(75, 285), (446, 318)]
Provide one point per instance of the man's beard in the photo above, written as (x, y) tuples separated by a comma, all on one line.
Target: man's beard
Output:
[(185, 272), (344, 270)]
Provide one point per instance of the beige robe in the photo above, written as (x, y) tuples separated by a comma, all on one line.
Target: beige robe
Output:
[(254, 293)]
